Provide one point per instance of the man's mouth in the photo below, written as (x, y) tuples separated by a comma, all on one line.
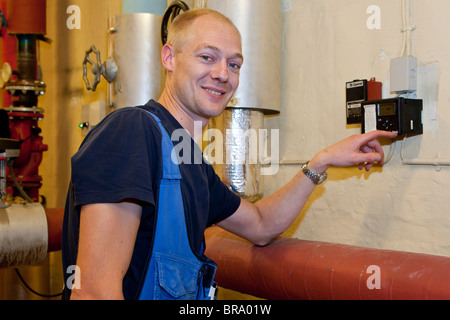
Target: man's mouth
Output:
[(216, 93)]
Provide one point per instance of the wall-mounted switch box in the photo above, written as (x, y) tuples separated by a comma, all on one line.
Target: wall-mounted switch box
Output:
[(358, 91), (404, 74)]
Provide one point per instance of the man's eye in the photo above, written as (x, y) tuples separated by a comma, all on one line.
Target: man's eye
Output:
[(234, 66), (206, 58)]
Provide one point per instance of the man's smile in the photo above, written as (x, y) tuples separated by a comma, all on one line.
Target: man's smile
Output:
[(215, 92)]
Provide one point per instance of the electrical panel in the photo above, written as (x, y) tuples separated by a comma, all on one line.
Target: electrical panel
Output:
[(358, 91), (400, 115)]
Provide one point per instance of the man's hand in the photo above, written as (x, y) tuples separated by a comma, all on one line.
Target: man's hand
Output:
[(363, 150)]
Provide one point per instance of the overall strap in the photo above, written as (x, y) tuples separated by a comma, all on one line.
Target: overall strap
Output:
[(171, 170), (173, 271)]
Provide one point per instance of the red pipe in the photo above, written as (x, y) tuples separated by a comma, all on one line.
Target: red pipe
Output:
[(310, 270), (293, 269), (26, 16), (54, 223), (8, 52)]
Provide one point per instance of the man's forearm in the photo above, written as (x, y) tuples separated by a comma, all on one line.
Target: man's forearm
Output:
[(279, 210), (270, 217)]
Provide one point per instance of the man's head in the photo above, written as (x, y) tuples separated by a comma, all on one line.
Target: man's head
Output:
[(203, 57), (180, 31)]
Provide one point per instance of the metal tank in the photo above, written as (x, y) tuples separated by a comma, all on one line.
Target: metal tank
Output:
[(259, 92), (259, 23), (136, 48)]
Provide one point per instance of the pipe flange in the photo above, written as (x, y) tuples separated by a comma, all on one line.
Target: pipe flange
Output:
[(24, 86), (24, 109)]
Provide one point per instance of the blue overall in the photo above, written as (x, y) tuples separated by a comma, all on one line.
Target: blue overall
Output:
[(174, 271)]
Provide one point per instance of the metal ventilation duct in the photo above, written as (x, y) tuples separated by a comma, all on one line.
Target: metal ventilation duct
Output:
[(259, 92), (136, 51)]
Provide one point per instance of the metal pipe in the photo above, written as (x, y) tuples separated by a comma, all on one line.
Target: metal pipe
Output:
[(26, 57), (136, 51), (23, 235), (311, 270), (27, 21)]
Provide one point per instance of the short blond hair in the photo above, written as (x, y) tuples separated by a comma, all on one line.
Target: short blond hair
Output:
[(180, 29)]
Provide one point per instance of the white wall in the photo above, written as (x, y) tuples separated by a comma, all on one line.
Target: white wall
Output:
[(327, 43)]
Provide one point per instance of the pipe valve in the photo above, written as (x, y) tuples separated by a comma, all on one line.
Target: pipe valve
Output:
[(108, 69), (8, 149)]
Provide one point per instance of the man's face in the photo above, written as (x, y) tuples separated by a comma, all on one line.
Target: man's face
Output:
[(206, 72)]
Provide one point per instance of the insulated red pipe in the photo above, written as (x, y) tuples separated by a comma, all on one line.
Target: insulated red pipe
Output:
[(27, 16), (299, 270), (54, 223), (311, 270)]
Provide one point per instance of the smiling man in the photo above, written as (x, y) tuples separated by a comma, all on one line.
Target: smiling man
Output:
[(134, 221), (203, 69)]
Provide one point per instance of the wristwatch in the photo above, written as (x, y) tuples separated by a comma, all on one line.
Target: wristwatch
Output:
[(315, 177)]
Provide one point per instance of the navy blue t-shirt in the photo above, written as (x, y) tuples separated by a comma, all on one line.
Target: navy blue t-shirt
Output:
[(120, 159)]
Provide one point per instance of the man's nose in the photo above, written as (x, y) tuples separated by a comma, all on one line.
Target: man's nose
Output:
[(220, 71)]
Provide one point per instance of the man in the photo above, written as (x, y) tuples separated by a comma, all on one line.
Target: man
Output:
[(112, 203)]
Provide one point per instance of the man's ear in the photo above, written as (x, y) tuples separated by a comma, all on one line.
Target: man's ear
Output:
[(167, 57)]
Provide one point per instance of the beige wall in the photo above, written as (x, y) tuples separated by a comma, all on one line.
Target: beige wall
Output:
[(326, 43), (66, 92)]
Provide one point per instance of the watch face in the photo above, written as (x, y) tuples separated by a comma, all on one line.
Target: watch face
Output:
[(322, 178)]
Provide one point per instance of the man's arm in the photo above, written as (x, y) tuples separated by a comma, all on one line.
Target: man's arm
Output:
[(107, 237), (268, 218)]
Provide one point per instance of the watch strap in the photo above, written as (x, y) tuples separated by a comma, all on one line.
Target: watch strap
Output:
[(314, 176)]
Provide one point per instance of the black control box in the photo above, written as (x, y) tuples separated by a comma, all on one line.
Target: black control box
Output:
[(400, 115), (356, 92)]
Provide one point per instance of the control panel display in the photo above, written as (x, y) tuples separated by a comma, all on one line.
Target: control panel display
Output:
[(386, 109)]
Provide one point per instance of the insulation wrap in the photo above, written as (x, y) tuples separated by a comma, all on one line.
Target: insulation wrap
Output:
[(23, 235)]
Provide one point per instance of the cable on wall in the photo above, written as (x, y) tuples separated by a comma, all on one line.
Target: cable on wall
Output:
[(407, 28), (435, 162)]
